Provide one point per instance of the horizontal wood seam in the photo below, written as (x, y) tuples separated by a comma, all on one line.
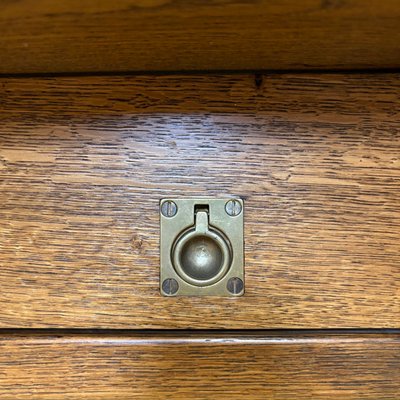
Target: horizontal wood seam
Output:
[(133, 73), (8, 332)]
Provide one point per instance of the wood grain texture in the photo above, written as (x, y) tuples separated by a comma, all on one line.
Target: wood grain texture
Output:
[(84, 162), (201, 366), (175, 35)]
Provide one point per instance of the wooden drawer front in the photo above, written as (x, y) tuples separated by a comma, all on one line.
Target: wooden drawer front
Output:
[(171, 35), (202, 366), (84, 162)]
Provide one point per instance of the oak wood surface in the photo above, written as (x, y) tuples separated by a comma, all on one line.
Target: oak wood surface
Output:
[(84, 162), (42, 36), (203, 366)]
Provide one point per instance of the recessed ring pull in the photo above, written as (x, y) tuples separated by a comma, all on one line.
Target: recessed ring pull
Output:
[(202, 247)]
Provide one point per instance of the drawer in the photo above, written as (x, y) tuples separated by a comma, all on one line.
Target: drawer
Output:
[(171, 35), (84, 162), (200, 366)]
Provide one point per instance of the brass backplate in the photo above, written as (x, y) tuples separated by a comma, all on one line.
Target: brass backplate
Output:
[(202, 247)]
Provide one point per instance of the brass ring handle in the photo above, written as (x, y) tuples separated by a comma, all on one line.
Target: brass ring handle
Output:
[(201, 256)]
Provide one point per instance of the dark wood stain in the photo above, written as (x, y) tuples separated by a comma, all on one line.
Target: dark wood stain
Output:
[(192, 35)]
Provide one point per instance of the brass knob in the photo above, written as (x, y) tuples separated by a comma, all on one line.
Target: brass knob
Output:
[(202, 255)]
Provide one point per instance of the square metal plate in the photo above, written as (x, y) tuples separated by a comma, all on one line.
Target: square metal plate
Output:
[(201, 247)]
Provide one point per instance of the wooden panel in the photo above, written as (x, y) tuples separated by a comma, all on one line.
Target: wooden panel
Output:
[(200, 367), (173, 35), (84, 162)]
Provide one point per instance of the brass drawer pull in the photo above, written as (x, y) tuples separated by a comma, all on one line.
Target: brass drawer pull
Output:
[(202, 247)]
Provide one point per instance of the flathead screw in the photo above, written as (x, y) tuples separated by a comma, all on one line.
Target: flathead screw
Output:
[(235, 286), (233, 207), (169, 208), (170, 286)]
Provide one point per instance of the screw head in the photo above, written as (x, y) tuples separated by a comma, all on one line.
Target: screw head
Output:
[(233, 207), (170, 286), (169, 208), (235, 285)]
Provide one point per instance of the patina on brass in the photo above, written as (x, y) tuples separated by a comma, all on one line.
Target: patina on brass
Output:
[(201, 247)]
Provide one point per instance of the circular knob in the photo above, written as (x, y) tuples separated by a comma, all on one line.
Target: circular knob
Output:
[(202, 256)]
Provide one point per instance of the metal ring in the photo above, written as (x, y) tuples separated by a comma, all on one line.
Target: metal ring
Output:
[(218, 239)]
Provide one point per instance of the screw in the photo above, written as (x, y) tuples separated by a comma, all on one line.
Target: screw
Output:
[(235, 285), (170, 286), (169, 208), (233, 207)]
